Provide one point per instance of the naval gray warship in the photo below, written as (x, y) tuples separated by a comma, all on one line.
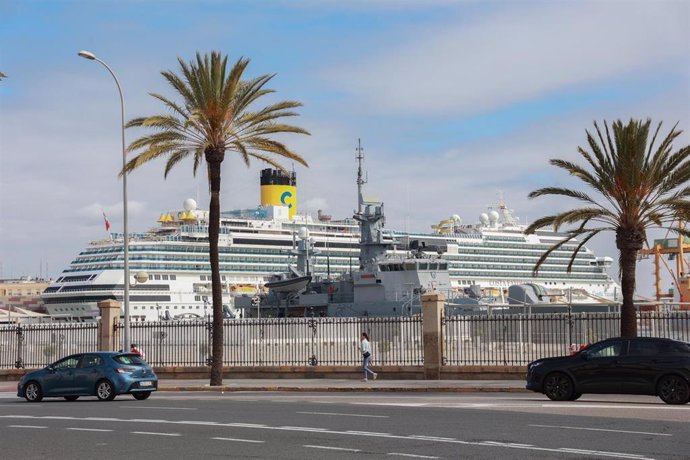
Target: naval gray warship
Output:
[(384, 284)]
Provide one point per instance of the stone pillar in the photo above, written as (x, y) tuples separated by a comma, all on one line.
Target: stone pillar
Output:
[(110, 314), (432, 334)]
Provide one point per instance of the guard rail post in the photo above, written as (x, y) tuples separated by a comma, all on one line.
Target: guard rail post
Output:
[(110, 314), (432, 334)]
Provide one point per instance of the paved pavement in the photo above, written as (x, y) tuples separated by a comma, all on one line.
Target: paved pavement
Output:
[(318, 385)]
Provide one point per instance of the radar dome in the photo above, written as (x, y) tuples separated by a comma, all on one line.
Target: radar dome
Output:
[(484, 218), (493, 216), (303, 233), (189, 204), (456, 218)]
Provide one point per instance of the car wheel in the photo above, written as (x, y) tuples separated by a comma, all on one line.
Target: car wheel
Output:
[(673, 389), (558, 387), (71, 398), (33, 392), (142, 395), (575, 397), (105, 391)]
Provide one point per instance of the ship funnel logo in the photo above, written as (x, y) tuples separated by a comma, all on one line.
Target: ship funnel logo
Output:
[(284, 197)]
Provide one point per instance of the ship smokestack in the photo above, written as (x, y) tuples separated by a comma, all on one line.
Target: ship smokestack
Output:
[(279, 188)]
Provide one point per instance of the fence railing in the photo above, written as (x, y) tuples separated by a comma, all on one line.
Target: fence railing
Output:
[(37, 345), (282, 341), (519, 339), (467, 340)]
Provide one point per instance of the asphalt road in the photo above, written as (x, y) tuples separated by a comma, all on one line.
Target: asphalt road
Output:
[(337, 425)]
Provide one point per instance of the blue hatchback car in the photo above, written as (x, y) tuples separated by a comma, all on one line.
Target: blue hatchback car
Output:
[(101, 374)]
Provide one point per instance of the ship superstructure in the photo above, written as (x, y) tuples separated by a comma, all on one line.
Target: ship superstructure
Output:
[(257, 243)]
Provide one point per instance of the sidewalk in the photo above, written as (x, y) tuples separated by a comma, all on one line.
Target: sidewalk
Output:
[(335, 385)]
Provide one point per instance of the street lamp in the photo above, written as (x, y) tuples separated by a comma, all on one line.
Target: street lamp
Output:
[(92, 57)]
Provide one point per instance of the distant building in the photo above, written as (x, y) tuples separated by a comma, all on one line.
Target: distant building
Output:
[(24, 293)]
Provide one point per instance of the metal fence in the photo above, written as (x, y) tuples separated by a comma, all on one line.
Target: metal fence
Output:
[(519, 339), (468, 340), (282, 341), (36, 345)]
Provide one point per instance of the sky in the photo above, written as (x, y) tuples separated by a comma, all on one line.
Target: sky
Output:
[(457, 103)]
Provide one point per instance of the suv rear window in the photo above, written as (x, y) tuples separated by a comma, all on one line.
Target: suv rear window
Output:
[(132, 359)]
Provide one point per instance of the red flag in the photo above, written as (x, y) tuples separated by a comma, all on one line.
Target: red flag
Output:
[(107, 222)]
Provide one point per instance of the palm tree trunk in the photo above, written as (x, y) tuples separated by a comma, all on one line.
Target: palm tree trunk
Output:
[(629, 242), (216, 287)]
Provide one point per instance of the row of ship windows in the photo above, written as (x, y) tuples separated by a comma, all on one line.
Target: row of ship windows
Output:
[(279, 265), (567, 250), (174, 307), (333, 259), (549, 283), (502, 276), (543, 273), (162, 277)]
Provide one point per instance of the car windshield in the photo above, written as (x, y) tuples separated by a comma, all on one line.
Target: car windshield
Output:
[(130, 359)]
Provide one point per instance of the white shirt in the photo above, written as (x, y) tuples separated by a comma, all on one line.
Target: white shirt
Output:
[(365, 346)]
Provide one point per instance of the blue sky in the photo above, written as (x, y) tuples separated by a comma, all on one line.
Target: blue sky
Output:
[(455, 101)]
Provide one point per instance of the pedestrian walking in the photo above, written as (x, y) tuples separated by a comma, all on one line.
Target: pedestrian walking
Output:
[(365, 348), (135, 349)]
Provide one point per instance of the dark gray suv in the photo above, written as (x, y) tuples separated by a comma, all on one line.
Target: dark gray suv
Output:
[(641, 365)]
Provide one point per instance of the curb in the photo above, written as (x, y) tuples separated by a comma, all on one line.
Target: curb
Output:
[(362, 389)]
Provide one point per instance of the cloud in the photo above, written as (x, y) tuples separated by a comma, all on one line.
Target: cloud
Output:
[(524, 52)]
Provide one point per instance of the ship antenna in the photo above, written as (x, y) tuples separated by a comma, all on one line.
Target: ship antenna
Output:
[(360, 180)]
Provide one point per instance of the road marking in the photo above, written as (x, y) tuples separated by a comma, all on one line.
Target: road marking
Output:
[(89, 429), (300, 428), (600, 429), (487, 443), (602, 453), (26, 426), (389, 404), (20, 406), (602, 406), (410, 455), (239, 440), (331, 448), (162, 408), (344, 415), (156, 434)]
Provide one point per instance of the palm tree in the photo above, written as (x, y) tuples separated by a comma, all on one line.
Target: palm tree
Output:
[(215, 116), (640, 186)]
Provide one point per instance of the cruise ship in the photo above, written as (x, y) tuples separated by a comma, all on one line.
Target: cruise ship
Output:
[(485, 257)]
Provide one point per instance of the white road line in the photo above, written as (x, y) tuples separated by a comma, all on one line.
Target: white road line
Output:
[(26, 426), (410, 455), (300, 428), (487, 443), (601, 429), (344, 415), (239, 440), (88, 429), (602, 453), (389, 404), (331, 448), (21, 406), (368, 433), (602, 406), (156, 434), (162, 408)]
